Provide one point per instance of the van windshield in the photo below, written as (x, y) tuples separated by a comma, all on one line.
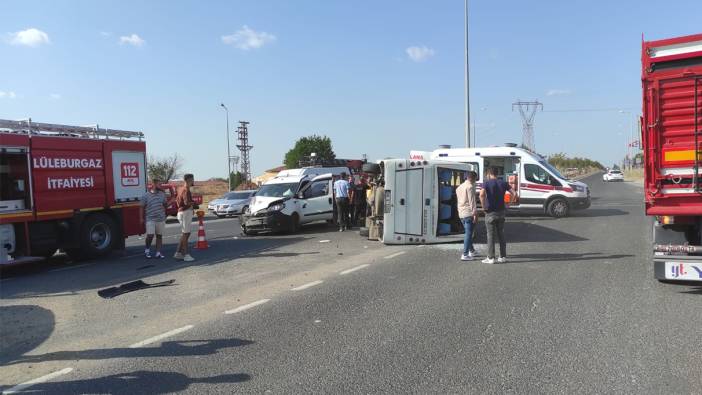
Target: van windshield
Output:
[(278, 190), (552, 169)]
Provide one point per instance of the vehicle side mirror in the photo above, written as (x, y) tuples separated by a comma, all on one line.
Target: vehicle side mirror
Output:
[(300, 195)]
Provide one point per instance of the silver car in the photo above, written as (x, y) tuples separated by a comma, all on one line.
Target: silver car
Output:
[(231, 204)]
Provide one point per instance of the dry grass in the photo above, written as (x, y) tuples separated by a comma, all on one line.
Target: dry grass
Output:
[(210, 190), (635, 175)]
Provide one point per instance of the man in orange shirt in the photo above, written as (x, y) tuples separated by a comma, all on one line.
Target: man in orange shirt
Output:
[(185, 204)]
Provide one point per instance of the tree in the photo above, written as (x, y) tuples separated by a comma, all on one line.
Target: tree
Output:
[(164, 169), (320, 145), (237, 178)]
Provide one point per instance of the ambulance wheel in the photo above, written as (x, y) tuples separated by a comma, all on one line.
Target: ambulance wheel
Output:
[(98, 235), (558, 208)]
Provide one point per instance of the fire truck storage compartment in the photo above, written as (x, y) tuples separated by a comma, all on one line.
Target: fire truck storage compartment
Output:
[(448, 221), (14, 180)]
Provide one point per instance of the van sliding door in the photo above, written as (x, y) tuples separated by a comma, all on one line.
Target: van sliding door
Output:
[(407, 205)]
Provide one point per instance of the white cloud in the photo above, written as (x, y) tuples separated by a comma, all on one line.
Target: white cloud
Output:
[(247, 38), (7, 95), (55, 96), (31, 38), (558, 92), (133, 39), (419, 54)]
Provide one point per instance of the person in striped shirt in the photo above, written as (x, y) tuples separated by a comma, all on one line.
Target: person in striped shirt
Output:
[(154, 202)]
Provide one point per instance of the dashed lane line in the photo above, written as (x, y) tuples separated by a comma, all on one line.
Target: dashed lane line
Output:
[(308, 285), (395, 254), (161, 336), (20, 387), (353, 269), (247, 306)]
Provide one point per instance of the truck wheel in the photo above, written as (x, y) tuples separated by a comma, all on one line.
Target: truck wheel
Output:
[(373, 168), (98, 235), (558, 208)]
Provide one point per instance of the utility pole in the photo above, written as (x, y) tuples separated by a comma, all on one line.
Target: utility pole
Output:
[(244, 147), (229, 155), (527, 109), (465, 80)]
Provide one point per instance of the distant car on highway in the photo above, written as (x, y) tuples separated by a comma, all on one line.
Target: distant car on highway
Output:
[(613, 175), (231, 204)]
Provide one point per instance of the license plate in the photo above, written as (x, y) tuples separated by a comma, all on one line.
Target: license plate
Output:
[(683, 271)]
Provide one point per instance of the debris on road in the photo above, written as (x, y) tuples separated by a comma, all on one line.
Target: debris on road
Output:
[(109, 293)]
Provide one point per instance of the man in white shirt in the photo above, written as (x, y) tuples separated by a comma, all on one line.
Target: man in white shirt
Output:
[(341, 192), (468, 212)]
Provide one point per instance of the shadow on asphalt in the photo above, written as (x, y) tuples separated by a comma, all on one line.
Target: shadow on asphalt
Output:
[(588, 256), (169, 349), (599, 212), (114, 271), (697, 290), (22, 329), (523, 232), (139, 382)]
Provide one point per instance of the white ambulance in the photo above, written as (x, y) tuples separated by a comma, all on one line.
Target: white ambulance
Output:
[(538, 185)]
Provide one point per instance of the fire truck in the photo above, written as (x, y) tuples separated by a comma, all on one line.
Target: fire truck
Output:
[(670, 131), (73, 188)]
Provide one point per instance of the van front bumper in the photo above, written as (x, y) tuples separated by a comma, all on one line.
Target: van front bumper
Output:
[(266, 222), (579, 203)]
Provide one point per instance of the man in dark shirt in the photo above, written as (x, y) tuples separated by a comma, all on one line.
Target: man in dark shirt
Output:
[(492, 197)]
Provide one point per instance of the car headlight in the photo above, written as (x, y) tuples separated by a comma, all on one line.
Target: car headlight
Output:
[(276, 207), (224, 206)]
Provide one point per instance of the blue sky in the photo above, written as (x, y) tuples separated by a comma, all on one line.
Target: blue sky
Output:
[(339, 68)]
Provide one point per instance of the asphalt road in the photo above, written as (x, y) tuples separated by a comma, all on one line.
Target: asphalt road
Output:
[(576, 310)]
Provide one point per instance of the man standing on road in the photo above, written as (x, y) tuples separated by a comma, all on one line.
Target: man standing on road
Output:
[(468, 213), (492, 197), (184, 202), (341, 191), (154, 202)]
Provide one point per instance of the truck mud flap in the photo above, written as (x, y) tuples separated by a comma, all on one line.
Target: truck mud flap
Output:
[(678, 267)]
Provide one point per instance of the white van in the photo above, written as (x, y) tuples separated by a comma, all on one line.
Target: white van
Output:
[(420, 201), (539, 185), (293, 198)]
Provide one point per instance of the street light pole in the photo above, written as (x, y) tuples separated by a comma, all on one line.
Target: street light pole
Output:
[(465, 80), (229, 155)]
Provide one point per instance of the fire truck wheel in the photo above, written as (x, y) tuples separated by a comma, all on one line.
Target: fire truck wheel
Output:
[(371, 168), (558, 208), (97, 236)]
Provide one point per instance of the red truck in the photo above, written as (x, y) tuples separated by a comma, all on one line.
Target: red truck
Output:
[(671, 136), (171, 190), (70, 187)]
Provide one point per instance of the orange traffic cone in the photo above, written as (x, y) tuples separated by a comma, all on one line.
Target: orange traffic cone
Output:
[(201, 240)]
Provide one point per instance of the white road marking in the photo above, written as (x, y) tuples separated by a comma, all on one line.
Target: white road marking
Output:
[(308, 285), (247, 306), (395, 254), (161, 336), (324, 241), (42, 379), (353, 269)]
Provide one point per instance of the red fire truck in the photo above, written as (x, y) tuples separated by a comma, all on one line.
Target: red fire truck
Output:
[(671, 129), (73, 188)]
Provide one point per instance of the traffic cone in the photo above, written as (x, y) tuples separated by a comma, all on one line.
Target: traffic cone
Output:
[(201, 240)]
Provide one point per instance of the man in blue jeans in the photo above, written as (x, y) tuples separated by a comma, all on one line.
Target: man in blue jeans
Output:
[(468, 213), (492, 198)]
